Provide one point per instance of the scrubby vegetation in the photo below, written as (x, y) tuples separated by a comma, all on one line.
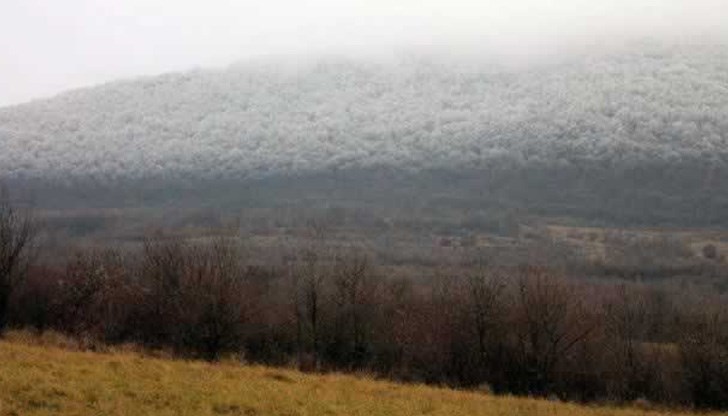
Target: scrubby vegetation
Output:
[(528, 328)]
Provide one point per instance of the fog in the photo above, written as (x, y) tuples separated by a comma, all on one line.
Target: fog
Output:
[(48, 46)]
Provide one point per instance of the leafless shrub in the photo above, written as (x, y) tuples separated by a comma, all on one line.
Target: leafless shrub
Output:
[(710, 251), (705, 357), (528, 330), (551, 321), (16, 238), (486, 289)]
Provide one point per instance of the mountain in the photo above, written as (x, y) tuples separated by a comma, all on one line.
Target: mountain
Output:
[(659, 104), (633, 111)]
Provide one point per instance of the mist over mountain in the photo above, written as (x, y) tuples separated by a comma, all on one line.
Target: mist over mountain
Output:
[(634, 135), (643, 104)]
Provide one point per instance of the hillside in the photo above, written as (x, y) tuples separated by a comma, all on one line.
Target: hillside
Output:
[(637, 135), (46, 380), (644, 104)]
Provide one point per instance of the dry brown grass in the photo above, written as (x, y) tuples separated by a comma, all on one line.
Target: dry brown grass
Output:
[(51, 376)]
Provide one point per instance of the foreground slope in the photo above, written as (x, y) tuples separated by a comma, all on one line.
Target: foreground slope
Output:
[(43, 380)]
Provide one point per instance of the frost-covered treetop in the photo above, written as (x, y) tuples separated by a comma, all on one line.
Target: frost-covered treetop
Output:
[(655, 103)]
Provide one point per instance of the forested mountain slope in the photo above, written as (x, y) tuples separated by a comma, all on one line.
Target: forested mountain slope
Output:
[(638, 134), (644, 104)]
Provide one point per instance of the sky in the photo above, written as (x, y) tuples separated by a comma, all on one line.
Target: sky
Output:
[(48, 46)]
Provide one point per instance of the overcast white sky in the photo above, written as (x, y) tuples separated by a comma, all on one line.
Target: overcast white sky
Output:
[(47, 46)]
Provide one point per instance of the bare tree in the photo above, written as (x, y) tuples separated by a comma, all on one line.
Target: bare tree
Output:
[(213, 291), (624, 325), (704, 350), (309, 279), (82, 292), (354, 287), (163, 265), (486, 290), (193, 296), (16, 237), (552, 321)]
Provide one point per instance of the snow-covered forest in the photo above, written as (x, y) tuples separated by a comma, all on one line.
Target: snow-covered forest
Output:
[(646, 103)]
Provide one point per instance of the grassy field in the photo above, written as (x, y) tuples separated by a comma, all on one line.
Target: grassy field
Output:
[(37, 379)]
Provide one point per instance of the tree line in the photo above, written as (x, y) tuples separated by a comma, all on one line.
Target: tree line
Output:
[(527, 330)]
